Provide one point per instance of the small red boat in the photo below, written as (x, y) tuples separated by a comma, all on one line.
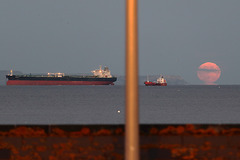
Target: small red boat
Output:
[(160, 82)]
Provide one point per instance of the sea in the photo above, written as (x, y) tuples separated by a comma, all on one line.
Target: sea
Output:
[(86, 105)]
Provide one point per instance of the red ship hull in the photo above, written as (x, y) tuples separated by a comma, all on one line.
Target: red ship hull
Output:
[(39, 82), (148, 83)]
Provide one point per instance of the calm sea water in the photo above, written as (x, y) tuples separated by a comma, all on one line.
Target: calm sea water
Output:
[(101, 104)]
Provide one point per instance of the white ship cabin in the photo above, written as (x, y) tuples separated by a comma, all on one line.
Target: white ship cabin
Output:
[(55, 74), (11, 73), (161, 80), (105, 73)]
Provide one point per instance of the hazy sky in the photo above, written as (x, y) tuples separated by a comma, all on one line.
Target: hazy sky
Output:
[(76, 36)]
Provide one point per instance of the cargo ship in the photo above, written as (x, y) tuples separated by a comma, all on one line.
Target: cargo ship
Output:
[(160, 82), (99, 77)]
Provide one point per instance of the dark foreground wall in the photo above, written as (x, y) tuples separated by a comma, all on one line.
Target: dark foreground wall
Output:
[(106, 142)]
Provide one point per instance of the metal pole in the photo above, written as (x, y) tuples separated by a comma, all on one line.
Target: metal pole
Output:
[(132, 121)]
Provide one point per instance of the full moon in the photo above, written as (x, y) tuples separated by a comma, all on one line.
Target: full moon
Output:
[(208, 72)]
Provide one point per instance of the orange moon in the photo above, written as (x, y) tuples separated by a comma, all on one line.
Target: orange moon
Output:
[(208, 72)]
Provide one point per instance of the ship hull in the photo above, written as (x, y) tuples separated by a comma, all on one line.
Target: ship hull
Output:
[(41, 82), (154, 84), (99, 77), (66, 80)]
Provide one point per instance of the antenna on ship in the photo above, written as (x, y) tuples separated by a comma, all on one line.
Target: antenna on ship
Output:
[(147, 78)]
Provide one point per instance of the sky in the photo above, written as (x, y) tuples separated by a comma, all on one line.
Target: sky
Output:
[(76, 36)]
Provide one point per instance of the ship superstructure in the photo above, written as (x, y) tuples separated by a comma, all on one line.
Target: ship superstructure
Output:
[(102, 73)]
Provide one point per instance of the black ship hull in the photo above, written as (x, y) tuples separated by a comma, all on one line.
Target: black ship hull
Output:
[(64, 80)]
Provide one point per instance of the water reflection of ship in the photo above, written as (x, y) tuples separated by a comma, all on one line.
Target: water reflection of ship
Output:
[(160, 82)]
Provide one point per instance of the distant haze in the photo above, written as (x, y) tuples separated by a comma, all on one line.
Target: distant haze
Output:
[(175, 37)]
